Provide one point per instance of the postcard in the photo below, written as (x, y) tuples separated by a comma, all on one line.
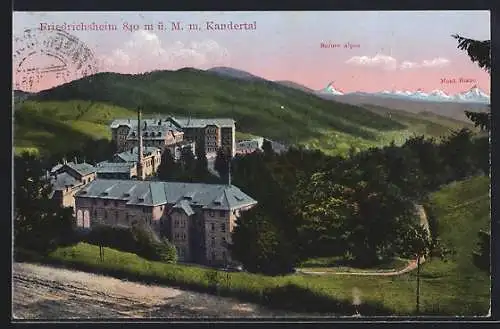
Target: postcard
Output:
[(235, 165)]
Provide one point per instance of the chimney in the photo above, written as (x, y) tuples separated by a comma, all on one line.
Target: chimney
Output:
[(140, 174), (229, 173), (75, 160)]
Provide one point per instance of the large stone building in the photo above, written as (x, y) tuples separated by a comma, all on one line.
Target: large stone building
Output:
[(213, 133), (197, 218), (155, 133), (67, 178)]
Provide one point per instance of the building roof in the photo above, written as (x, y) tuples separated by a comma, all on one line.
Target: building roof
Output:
[(81, 168), (153, 193), (63, 180), (114, 167), (185, 206), (154, 131), (201, 123), (131, 155), (132, 123)]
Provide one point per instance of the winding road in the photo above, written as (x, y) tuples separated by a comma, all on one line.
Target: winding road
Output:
[(410, 267)]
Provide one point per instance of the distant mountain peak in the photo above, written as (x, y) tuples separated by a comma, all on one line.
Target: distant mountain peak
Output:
[(331, 89)]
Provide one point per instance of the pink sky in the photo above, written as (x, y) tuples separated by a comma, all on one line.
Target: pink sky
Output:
[(397, 50)]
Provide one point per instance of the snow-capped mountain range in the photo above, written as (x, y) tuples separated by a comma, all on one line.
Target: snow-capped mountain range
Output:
[(472, 95)]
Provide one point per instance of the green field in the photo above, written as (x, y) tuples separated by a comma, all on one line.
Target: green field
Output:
[(454, 287), (49, 120)]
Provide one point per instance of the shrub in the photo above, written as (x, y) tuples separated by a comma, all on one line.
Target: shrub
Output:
[(138, 239)]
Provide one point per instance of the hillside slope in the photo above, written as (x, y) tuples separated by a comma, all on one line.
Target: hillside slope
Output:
[(462, 209), (261, 108)]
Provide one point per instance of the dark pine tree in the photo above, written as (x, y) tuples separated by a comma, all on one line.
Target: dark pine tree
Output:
[(221, 164), (201, 166), (168, 168), (481, 256), (187, 163), (480, 53), (40, 224), (267, 147)]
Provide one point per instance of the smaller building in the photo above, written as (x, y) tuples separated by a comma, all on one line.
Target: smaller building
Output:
[(67, 178), (116, 170), (150, 161)]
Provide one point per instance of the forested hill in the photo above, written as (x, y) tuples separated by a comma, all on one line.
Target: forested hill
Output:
[(83, 109), (260, 107)]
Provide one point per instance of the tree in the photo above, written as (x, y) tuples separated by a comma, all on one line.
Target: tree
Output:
[(187, 162), (267, 147), (222, 162), (421, 245), (40, 223), (201, 166), (480, 53), (481, 256), (168, 168), (458, 153), (260, 246)]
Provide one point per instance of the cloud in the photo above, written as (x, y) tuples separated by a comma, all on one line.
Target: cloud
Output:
[(409, 65), (390, 63), (378, 60), (436, 62), (144, 51)]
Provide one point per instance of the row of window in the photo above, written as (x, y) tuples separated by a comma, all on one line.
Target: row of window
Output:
[(222, 227), (180, 236), (223, 243), (222, 213), (179, 223), (213, 256)]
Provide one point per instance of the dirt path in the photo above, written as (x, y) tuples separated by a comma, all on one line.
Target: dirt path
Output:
[(411, 266), (41, 292)]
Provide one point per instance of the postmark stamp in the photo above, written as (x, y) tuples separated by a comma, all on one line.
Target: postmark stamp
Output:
[(54, 56)]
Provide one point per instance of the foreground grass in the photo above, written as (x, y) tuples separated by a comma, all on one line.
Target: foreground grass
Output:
[(455, 287)]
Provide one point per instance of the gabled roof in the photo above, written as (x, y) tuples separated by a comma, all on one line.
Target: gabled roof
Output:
[(114, 167), (131, 155), (184, 205), (201, 123), (63, 180), (81, 168), (153, 193)]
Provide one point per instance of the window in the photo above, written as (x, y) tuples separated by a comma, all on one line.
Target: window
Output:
[(177, 236), (211, 213), (213, 255), (213, 242), (184, 236), (105, 214), (223, 228), (222, 213), (176, 223), (183, 223), (223, 243), (212, 227), (224, 255)]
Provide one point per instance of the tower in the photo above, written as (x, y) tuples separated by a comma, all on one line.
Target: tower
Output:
[(140, 169)]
